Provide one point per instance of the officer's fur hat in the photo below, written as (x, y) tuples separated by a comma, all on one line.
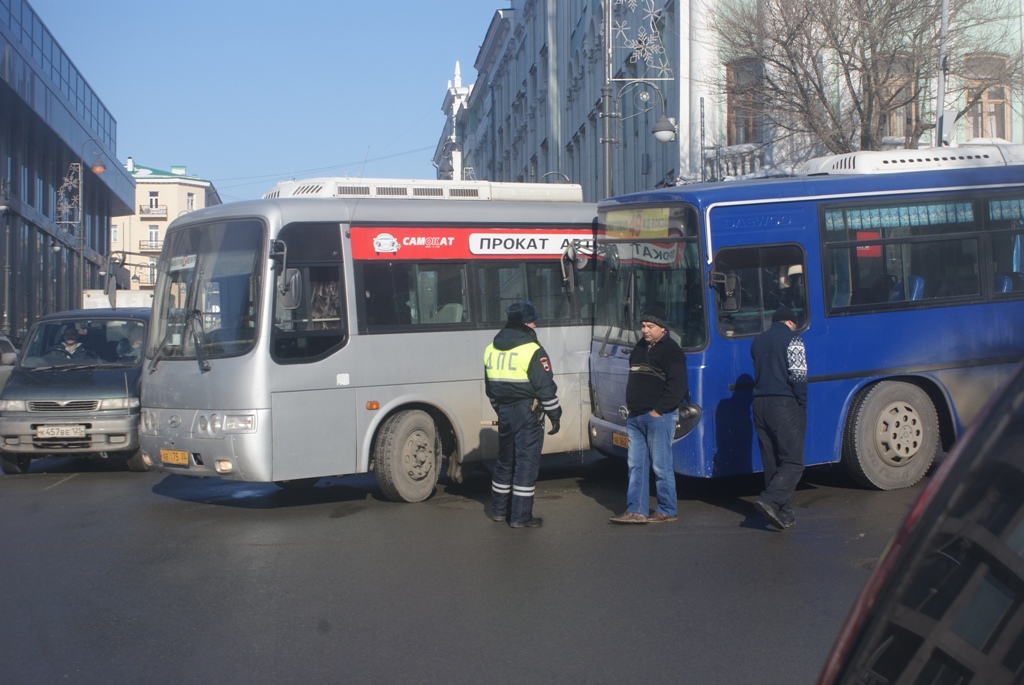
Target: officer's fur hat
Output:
[(521, 312)]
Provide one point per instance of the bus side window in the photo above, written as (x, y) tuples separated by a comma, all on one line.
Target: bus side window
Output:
[(767, 278), (441, 294)]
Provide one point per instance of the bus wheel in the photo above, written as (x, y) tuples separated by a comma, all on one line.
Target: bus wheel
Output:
[(405, 457), (15, 464), (892, 436)]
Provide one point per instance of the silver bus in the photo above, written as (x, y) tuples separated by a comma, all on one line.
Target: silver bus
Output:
[(337, 326)]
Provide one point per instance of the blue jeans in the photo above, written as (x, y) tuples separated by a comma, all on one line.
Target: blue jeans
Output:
[(650, 446)]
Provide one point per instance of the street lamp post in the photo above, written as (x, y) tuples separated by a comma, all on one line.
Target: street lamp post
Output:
[(71, 204), (645, 47)]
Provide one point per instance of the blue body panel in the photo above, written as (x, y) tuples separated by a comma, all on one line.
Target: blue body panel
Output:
[(962, 353)]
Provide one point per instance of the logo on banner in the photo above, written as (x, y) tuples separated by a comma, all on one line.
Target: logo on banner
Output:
[(385, 242)]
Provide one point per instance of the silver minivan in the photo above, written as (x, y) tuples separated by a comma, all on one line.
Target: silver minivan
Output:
[(74, 391)]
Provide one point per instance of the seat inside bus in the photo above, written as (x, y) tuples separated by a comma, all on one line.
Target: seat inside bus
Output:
[(916, 289), (449, 313)]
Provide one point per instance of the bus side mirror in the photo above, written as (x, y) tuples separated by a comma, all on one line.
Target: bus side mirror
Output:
[(290, 292), (728, 287)]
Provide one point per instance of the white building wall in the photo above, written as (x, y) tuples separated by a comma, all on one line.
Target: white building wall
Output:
[(534, 113)]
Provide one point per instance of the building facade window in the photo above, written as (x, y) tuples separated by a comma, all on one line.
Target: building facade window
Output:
[(900, 122), (989, 115), (154, 199), (743, 83), (154, 237), (190, 201)]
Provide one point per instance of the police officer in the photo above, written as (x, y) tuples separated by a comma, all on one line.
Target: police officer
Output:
[(521, 387)]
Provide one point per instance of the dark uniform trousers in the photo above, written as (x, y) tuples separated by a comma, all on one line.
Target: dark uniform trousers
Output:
[(520, 438), (780, 423)]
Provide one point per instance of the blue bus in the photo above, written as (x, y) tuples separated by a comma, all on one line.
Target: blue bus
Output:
[(905, 270)]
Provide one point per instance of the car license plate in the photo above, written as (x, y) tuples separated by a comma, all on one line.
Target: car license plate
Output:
[(620, 440), (174, 457), (60, 431)]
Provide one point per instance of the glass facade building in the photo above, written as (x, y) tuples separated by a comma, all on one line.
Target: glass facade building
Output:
[(55, 234)]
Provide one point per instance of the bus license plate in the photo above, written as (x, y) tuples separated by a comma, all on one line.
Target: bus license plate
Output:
[(60, 431), (174, 457), (620, 440)]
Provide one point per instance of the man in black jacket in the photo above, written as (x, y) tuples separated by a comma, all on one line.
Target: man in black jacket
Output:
[(521, 387), (656, 385), (780, 414)]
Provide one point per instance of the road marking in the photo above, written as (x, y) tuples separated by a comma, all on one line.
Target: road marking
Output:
[(62, 480)]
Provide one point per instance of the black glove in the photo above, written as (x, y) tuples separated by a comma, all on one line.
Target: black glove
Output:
[(555, 425)]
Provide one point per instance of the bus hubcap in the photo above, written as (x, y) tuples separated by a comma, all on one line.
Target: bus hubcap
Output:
[(898, 434), (418, 456)]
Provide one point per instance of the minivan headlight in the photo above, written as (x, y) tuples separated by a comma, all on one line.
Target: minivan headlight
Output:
[(13, 405), (120, 403)]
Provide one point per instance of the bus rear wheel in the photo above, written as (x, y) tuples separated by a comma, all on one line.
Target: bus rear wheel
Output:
[(892, 436), (15, 464), (406, 457)]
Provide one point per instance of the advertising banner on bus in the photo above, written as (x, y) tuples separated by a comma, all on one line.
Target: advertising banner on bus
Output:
[(417, 243)]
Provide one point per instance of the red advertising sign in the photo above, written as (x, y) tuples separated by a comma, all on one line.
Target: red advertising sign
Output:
[(425, 243), (868, 250)]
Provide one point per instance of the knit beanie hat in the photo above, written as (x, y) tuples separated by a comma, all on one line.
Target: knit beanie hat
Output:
[(783, 314), (655, 315)]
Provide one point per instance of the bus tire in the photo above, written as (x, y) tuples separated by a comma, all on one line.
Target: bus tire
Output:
[(15, 464), (892, 436), (406, 457)]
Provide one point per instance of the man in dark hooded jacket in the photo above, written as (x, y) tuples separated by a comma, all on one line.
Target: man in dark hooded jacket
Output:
[(521, 387)]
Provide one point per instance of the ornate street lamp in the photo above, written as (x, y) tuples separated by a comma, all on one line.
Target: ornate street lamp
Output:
[(643, 45), (71, 207)]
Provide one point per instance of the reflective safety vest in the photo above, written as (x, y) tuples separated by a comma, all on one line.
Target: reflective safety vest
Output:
[(509, 366)]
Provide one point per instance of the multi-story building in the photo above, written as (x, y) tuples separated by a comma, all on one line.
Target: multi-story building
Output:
[(160, 198), (558, 98), (60, 182)]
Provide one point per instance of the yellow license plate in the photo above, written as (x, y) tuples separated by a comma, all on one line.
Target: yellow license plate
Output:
[(620, 440), (174, 457)]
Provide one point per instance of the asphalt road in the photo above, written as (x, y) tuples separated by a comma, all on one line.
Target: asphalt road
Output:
[(116, 577)]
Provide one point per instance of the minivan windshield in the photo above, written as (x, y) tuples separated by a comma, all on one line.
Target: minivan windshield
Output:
[(79, 342)]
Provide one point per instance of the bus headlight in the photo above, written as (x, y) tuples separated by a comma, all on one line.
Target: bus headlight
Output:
[(216, 425), (239, 423)]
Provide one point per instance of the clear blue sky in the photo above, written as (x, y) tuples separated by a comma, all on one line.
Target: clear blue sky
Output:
[(249, 92)]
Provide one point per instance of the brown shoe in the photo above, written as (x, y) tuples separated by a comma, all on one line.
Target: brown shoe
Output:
[(629, 517), (658, 517)]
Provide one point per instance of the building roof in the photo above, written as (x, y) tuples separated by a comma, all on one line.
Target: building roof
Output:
[(177, 174)]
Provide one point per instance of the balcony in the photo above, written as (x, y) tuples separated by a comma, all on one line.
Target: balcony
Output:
[(735, 161), (153, 211), (150, 245)]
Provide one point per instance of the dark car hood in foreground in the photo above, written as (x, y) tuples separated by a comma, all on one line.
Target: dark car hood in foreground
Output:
[(73, 384)]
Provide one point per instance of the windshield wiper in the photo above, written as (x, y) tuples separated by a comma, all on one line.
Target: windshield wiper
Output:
[(194, 324), (63, 367)]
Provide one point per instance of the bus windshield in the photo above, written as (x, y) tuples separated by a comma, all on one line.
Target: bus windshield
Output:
[(206, 302), (649, 257)]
